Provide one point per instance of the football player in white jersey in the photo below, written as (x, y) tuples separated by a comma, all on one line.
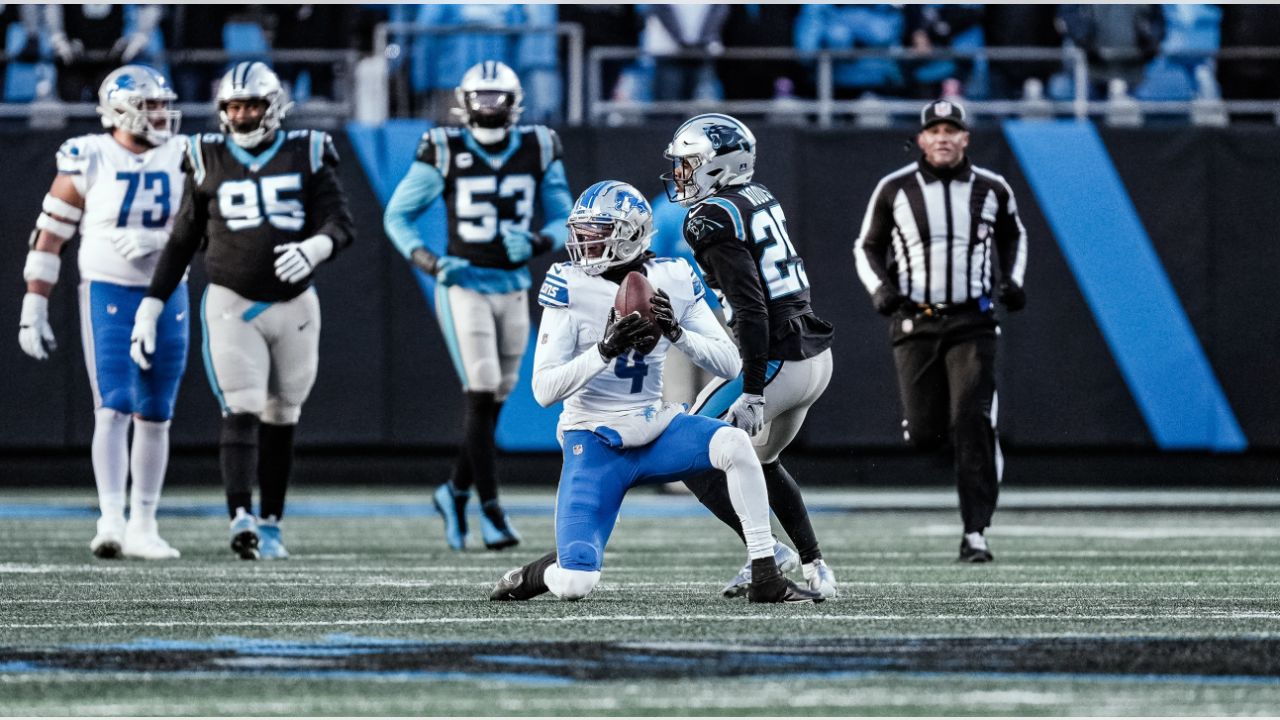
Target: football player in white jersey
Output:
[(615, 430), (120, 190)]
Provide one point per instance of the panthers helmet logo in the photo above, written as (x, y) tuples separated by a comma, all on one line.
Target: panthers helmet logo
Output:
[(725, 138)]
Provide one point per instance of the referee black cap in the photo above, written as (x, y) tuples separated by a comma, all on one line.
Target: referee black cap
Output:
[(940, 111)]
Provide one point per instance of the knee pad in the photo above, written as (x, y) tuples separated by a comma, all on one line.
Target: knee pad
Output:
[(118, 399), (109, 418), (730, 446), (571, 584), (579, 555), (244, 402), (484, 376), (280, 411)]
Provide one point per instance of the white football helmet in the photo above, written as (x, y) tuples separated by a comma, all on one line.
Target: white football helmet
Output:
[(252, 81), (611, 224), (136, 99), (489, 99), (709, 152)]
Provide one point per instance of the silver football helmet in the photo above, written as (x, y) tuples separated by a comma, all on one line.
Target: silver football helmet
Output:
[(252, 81), (489, 99), (610, 225), (709, 152), (136, 99)]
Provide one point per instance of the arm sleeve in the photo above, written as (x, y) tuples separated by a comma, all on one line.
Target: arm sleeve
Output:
[(1011, 239), (556, 204), (872, 245), (188, 231), (557, 372), (707, 344), (735, 270), (417, 190), (329, 201)]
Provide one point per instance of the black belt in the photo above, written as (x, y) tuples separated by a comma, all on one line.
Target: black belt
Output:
[(981, 305)]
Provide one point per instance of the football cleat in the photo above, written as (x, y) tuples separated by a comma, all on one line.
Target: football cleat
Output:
[(244, 535), (786, 558), (145, 543), (509, 586), (496, 528), (820, 578), (108, 543), (973, 549), (270, 544), (778, 589), (452, 506)]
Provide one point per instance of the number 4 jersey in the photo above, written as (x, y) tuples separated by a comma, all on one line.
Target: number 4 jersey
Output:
[(243, 205), (124, 193), (739, 238)]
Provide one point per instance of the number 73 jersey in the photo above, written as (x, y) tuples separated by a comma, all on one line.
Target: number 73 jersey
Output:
[(125, 193)]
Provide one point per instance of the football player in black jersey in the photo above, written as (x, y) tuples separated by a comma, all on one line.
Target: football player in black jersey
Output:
[(494, 178), (738, 235), (269, 206)]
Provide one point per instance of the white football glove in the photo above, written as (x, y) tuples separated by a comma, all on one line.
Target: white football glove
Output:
[(296, 261), (142, 342), (34, 333), (747, 413), (134, 244)]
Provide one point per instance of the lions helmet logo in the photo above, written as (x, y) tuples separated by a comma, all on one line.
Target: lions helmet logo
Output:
[(625, 202), (725, 138)]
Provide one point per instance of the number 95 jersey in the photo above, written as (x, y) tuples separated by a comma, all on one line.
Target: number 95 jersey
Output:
[(245, 205), (487, 191), (125, 193)]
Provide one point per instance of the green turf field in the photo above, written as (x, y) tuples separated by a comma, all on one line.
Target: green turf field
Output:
[(1163, 609)]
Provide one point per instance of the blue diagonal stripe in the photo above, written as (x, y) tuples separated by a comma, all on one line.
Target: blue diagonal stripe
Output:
[(1125, 285)]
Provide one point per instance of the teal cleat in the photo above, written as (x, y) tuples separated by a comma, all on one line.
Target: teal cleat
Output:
[(452, 506), (496, 528), (270, 544), (244, 535)]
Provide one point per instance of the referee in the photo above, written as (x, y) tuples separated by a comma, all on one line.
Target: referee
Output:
[(941, 237)]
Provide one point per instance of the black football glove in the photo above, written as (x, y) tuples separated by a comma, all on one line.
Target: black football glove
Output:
[(665, 315), (426, 261), (1012, 296), (622, 334), (887, 299)]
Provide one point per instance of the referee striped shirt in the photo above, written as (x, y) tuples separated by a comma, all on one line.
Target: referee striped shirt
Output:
[(937, 234)]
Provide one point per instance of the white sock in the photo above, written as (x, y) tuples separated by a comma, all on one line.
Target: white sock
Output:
[(976, 540), (110, 453), (730, 450), (148, 461)]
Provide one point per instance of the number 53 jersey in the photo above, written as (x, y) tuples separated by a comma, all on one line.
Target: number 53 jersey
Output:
[(243, 205), (124, 193)]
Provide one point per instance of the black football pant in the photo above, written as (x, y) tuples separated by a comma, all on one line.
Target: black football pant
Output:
[(946, 376)]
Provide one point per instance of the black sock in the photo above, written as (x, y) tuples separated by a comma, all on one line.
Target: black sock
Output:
[(275, 460), (764, 569), (478, 445), (788, 504), (535, 576), (238, 458), (712, 490)]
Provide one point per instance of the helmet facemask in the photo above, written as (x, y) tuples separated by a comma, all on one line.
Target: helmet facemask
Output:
[(691, 178), (489, 108), (600, 243), (252, 82)]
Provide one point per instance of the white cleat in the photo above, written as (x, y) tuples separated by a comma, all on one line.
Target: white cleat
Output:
[(107, 544), (141, 544), (820, 578)]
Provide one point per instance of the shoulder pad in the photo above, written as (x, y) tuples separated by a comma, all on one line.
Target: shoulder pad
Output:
[(712, 219), (683, 277), (433, 149), (548, 145), (193, 160), (75, 154), (320, 150), (555, 287)]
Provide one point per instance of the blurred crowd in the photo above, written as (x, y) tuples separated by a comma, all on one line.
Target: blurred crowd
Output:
[(1156, 51)]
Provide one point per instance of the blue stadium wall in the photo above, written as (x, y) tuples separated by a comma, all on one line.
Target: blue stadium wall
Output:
[(1150, 324)]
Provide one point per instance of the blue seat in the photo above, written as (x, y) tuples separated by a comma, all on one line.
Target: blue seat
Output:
[(20, 78), (244, 38)]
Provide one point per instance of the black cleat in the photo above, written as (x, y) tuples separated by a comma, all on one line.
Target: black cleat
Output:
[(109, 550), (245, 545), (510, 587), (973, 549), (779, 589)]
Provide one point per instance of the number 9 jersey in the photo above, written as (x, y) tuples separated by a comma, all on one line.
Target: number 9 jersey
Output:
[(124, 194), (243, 205)]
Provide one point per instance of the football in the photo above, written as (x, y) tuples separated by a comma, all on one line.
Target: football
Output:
[(633, 296)]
